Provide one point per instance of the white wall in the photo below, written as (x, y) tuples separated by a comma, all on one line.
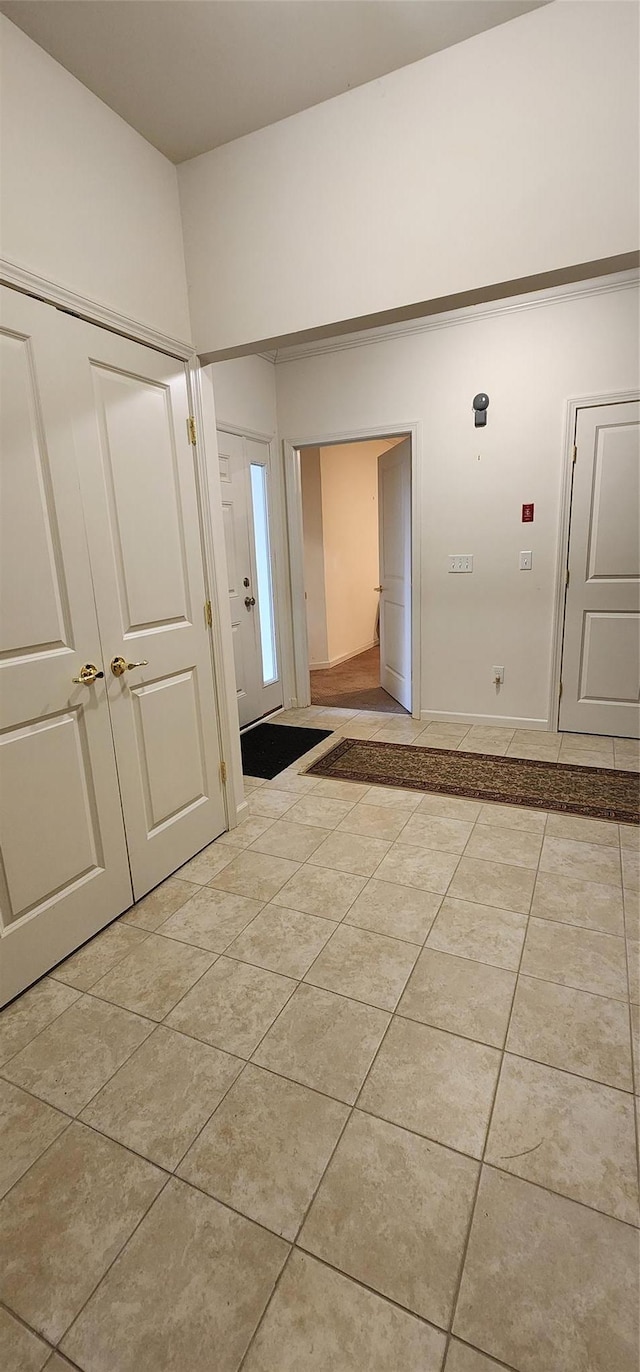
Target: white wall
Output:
[(245, 394), (514, 153), (86, 202), (530, 361), (313, 554), (350, 531)]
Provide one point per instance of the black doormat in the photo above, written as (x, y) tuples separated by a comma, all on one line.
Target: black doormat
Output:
[(269, 748)]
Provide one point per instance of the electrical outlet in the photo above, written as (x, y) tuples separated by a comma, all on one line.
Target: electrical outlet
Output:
[(526, 562), (498, 675), (461, 562)]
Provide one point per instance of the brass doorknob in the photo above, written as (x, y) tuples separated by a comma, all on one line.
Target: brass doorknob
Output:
[(119, 666), (88, 674), (249, 600)]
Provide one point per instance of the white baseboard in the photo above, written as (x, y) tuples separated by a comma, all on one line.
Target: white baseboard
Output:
[(345, 657), (498, 721), (242, 811)]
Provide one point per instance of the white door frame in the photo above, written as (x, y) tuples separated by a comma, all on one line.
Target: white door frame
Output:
[(299, 668), (207, 487), (564, 529)]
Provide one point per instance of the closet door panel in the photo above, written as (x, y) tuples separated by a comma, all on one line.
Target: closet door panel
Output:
[(63, 864), (140, 498)]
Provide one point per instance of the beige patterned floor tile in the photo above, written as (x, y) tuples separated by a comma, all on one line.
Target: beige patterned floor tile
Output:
[(255, 875), (548, 1283), (364, 966), (291, 781), (472, 745), (427, 869), (211, 919), (64, 1222), (574, 1030), (150, 980), (513, 817), (463, 997), (244, 834), (163, 1095), (516, 847), (489, 735), (633, 958), (435, 1083), (534, 752), (437, 730), (629, 836), (462, 1358), (583, 830), (450, 807), (586, 861), (580, 757), (194, 1278), (635, 1041), (320, 891), (375, 821), (20, 1350), (392, 1211), (319, 812), (493, 883), (252, 783), (351, 791), (347, 852), (392, 798), (630, 869), (205, 865), (591, 743), (71, 1059), (397, 911), (27, 1127), (432, 831), (266, 1148), (632, 914), (232, 1006), (573, 1136), (483, 933), (582, 958), (150, 912), (321, 1321), (269, 803), (325, 1041), (31, 1013), (282, 941), (294, 841), (569, 900), (85, 967)]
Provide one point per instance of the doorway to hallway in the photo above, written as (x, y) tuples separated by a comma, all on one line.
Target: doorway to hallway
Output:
[(355, 527)]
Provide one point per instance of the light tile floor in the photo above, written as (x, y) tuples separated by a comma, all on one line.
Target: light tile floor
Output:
[(353, 1091)]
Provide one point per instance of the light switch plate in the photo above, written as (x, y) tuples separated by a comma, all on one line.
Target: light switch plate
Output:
[(526, 562), (461, 562)]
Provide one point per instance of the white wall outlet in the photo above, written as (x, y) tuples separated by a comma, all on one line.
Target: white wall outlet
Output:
[(526, 562), (498, 675), (461, 562)]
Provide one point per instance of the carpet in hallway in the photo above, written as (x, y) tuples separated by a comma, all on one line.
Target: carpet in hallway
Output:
[(354, 685), (597, 792)]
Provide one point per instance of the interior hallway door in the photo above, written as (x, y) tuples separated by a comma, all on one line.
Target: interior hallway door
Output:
[(394, 514), (601, 647)]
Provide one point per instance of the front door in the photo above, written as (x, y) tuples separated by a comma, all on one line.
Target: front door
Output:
[(140, 497), (244, 486), (63, 869), (601, 649), (394, 514)]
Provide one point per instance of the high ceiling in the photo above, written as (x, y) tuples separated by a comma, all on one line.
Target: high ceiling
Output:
[(192, 74)]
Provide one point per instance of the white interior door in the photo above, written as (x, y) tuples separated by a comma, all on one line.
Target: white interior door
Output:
[(394, 513), (140, 497), (244, 485), (63, 868), (601, 649)]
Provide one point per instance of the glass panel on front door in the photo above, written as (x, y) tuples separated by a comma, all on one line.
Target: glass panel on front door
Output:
[(266, 610)]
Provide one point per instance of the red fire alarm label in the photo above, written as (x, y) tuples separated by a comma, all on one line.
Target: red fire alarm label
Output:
[(527, 514)]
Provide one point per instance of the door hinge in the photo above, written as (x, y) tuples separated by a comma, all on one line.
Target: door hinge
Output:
[(560, 692), (191, 430), (208, 616), (223, 773), (575, 453)]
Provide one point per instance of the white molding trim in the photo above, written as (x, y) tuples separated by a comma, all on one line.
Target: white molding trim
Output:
[(52, 293), (498, 721), (604, 285), (564, 525), (344, 657), (293, 488)]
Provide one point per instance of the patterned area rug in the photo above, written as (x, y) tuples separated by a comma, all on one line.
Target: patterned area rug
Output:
[(598, 792)]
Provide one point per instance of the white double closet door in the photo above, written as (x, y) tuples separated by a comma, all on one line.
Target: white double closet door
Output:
[(108, 784)]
